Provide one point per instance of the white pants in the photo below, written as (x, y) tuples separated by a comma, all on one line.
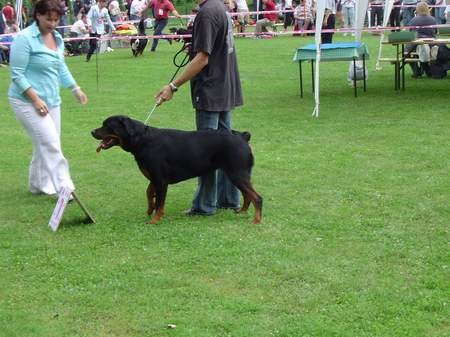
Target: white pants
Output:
[(49, 170)]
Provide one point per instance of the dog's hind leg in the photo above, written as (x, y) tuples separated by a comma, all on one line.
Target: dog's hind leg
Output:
[(242, 182), (160, 198), (150, 198)]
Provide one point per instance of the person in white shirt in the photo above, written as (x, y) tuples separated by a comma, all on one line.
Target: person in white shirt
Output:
[(79, 30), (98, 16), (137, 8), (114, 10), (242, 17)]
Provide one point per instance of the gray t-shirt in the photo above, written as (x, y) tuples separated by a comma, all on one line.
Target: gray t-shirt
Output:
[(217, 87), (424, 20)]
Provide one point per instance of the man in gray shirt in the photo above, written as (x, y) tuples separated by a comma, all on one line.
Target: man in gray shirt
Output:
[(215, 91)]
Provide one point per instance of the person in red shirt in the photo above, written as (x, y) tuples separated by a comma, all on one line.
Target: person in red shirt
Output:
[(8, 12), (268, 18), (161, 10)]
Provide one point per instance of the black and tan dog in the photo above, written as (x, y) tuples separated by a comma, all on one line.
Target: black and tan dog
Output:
[(139, 43), (167, 156)]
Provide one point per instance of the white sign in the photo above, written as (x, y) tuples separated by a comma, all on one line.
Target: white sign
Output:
[(63, 199)]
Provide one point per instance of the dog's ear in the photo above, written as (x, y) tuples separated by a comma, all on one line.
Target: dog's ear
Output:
[(128, 127)]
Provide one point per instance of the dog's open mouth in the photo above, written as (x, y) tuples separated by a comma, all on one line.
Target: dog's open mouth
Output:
[(107, 142)]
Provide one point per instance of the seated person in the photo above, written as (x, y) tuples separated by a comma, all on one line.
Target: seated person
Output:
[(422, 19), (79, 30), (268, 19)]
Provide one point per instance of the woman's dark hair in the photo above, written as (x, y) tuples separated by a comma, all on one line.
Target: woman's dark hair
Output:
[(46, 6)]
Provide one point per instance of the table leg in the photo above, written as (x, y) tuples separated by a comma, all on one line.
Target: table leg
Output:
[(403, 67), (301, 78), (312, 75), (364, 72), (397, 69), (354, 76)]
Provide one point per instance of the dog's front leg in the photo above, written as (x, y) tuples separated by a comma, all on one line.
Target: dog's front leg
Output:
[(160, 198), (150, 198)]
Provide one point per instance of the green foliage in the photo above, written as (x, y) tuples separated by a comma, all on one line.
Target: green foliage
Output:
[(354, 239)]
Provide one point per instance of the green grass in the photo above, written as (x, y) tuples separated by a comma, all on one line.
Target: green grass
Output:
[(354, 239)]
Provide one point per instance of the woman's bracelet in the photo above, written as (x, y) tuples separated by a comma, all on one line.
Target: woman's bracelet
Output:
[(75, 88)]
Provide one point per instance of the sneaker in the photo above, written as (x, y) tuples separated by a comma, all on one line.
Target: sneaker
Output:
[(109, 49)]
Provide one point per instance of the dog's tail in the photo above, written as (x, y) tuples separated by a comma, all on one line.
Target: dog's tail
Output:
[(244, 134)]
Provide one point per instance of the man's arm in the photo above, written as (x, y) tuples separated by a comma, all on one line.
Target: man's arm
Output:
[(193, 68)]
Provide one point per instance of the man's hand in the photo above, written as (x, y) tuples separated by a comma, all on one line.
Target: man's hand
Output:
[(165, 94)]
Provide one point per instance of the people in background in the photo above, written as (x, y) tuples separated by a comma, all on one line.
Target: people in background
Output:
[(394, 17), (348, 8), (447, 14), (161, 10), (8, 12), (137, 9), (114, 10), (215, 91), (268, 19), (79, 30), (76, 7), (2, 24), (37, 69), (439, 11), (286, 5), (329, 21), (98, 17), (421, 20), (408, 11), (243, 16), (303, 15), (62, 17), (376, 12)]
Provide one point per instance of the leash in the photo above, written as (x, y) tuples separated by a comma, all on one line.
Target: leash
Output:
[(151, 112), (178, 66)]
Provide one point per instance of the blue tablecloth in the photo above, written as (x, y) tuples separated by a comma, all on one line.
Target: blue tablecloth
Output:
[(340, 51)]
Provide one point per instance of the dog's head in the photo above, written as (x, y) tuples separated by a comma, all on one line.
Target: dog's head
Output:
[(118, 130)]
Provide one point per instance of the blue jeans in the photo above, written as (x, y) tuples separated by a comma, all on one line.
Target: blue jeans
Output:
[(408, 14), (214, 189), (159, 26)]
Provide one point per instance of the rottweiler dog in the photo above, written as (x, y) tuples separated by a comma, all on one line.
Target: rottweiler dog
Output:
[(138, 45), (168, 156)]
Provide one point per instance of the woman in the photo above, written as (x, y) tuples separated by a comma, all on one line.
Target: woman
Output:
[(37, 68)]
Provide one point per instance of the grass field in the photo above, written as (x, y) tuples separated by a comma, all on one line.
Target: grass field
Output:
[(354, 239)]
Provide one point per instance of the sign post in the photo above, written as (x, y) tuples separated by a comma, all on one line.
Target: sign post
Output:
[(61, 203)]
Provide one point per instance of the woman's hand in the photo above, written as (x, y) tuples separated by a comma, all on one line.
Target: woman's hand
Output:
[(79, 95), (40, 107)]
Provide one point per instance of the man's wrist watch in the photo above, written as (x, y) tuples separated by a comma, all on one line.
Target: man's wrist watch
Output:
[(173, 87)]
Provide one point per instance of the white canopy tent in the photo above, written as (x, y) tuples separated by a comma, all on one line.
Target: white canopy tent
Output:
[(388, 5), (360, 15), (18, 9)]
